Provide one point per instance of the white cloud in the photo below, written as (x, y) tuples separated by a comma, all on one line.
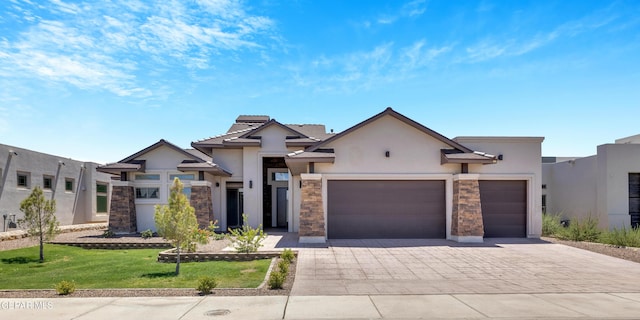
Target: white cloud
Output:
[(108, 45)]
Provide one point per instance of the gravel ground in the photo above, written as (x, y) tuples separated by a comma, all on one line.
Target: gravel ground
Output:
[(626, 253)]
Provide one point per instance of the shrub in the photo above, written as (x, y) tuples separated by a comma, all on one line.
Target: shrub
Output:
[(246, 239), (206, 284), (65, 287), (287, 255), (146, 234), (551, 225), (276, 280), (108, 234), (283, 266), (622, 237), (581, 230), (218, 236)]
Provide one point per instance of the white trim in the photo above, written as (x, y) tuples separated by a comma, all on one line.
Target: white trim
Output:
[(311, 176), (198, 183), (464, 139), (468, 239), (312, 240), (466, 176), (116, 183)]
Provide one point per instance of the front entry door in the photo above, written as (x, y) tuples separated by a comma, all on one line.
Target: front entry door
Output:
[(234, 208), (282, 207)]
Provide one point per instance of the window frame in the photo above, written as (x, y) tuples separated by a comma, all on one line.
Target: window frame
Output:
[(66, 185), (147, 192), (27, 179), (44, 182), (104, 194)]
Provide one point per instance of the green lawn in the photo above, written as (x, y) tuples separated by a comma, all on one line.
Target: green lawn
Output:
[(137, 268)]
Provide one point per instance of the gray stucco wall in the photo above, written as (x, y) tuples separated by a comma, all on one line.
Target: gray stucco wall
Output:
[(72, 207)]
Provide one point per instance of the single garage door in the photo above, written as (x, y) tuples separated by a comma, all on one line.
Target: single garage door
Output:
[(504, 208), (368, 209)]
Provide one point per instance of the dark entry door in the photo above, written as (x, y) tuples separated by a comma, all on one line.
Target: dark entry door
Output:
[(234, 208), (281, 206), (361, 209)]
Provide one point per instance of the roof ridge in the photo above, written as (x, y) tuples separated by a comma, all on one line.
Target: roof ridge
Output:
[(228, 133)]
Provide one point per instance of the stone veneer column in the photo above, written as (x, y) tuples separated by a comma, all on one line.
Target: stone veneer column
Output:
[(201, 201), (122, 216), (466, 216), (312, 222)]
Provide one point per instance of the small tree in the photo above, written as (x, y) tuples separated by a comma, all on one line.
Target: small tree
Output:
[(177, 221), (39, 219), (246, 239)]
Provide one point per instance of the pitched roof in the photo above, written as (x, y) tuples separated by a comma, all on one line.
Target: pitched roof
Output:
[(241, 134), (159, 144), (196, 161), (393, 113)]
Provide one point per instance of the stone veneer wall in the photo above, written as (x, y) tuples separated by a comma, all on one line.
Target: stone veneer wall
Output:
[(466, 218), (311, 211), (122, 217), (201, 201)]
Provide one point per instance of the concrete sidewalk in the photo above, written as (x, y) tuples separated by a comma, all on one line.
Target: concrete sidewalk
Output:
[(457, 306)]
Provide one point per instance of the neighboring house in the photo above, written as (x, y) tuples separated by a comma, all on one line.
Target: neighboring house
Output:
[(82, 195), (387, 177), (605, 186)]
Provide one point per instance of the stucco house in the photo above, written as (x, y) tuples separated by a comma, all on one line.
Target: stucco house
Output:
[(386, 177), (81, 193), (605, 186)]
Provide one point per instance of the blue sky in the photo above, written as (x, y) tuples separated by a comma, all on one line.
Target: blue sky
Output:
[(100, 80)]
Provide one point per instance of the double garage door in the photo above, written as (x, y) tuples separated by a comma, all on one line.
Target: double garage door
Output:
[(387, 209)]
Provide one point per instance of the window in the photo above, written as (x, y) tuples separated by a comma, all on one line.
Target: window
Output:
[(280, 176), (182, 177), (47, 182), (23, 179), (68, 184), (147, 177), (101, 197), (147, 193), (187, 192), (544, 203)]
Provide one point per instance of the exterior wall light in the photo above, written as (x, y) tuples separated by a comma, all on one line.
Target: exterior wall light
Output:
[(250, 184), (217, 184), (387, 154)]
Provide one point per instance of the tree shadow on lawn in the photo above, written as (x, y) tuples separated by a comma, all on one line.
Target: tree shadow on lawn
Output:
[(19, 260), (168, 274)]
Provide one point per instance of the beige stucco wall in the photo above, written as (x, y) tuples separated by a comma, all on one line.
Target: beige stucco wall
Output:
[(416, 155), (572, 189), (597, 185), (163, 161), (615, 162)]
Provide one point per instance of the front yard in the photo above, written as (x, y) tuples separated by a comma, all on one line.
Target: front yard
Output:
[(136, 268)]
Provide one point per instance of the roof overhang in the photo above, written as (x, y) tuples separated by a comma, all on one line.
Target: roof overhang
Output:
[(297, 161), (208, 167), (119, 167), (457, 156)]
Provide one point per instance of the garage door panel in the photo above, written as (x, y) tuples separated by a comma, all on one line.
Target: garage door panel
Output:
[(386, 209), (504, 208)]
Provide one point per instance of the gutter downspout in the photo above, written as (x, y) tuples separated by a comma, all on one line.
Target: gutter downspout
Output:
[(55, 182), (78, 189), (5, 172)]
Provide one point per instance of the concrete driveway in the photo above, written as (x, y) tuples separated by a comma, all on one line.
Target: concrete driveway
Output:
[(348, 267)]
